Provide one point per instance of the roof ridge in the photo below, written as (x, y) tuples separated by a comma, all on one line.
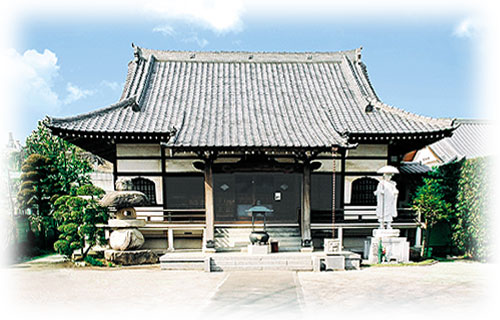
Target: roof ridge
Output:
[(473, 121), (364, 72), (121, 104), (251, 56)]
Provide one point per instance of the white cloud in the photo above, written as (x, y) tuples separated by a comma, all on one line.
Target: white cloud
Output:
[(165, 29), (218, 15), (33, 80), (200, 42), (113, 85), (467, 28), (75, 93)]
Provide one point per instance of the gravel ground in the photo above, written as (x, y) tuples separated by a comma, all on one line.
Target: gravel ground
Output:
[(455, 289)]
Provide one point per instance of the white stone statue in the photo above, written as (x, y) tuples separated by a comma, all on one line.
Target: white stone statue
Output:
[(387, 197)]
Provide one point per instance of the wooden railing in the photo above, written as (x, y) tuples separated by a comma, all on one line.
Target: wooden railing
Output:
[(349, 214), (357, 214), (171, 216)]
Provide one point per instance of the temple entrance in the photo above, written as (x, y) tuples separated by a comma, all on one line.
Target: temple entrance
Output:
[(234, 193)]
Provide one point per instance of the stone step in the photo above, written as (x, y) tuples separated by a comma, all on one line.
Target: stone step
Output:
[(272, 261)]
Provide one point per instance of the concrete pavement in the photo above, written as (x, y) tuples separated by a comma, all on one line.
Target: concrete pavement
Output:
[(456, 289)]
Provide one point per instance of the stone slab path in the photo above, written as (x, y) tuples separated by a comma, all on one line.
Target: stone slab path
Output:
[(257, 293)]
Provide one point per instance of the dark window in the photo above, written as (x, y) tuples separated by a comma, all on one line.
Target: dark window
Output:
[(147, 187), (185, 192), (362, 191)]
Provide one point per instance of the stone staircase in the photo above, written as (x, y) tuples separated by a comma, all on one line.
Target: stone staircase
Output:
[(229, 239)]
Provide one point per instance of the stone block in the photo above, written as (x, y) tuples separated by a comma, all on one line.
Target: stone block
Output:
[(352, 264), (126, 223), (385, 233), (397, 249), (132, 257), (124, 199), (258, 249), (126, 239), (335, 263), (331, 245)]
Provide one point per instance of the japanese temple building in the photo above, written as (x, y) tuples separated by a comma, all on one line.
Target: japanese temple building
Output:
[(205, 135)]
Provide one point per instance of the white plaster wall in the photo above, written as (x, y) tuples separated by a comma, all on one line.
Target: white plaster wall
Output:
[(141, 165), (327, 165), (180, 165), (364, 165), (136, 149), (379, 150)]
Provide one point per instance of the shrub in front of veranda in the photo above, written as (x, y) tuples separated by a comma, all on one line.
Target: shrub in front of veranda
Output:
[(77, 217)]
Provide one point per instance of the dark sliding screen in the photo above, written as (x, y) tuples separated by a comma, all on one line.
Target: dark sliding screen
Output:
[(234, 193), (185, 192)]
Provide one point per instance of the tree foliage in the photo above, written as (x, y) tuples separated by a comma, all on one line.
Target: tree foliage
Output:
[(35, 193), (470, 233), (457, 193), (77, 217), (70, 167), (52, 167), (429, 202)]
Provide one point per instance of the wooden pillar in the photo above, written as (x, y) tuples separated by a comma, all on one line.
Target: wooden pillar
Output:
[(163, 178), (342, 180), (209, 244), (306, 206), (115, 168)]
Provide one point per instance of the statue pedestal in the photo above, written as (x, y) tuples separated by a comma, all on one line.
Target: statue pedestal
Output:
[(396, 248)]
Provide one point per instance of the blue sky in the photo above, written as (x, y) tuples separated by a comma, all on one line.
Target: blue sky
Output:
[(75, 61)]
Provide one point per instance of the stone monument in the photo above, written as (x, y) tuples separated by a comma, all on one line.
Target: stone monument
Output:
[(385, 245), (125, 239)]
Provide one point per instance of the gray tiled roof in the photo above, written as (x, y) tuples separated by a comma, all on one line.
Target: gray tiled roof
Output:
[(238, 99), (413, 168), (469, 140)]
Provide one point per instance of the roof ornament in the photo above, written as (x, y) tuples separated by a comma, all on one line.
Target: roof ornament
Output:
[(135, 106), (358, 53), (369, 108), (137, 53)]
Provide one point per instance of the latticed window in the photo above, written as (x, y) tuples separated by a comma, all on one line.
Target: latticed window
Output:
[(362, 191), (145, 186)]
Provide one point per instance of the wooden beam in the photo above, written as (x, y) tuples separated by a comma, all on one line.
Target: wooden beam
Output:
[(209, 205)]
